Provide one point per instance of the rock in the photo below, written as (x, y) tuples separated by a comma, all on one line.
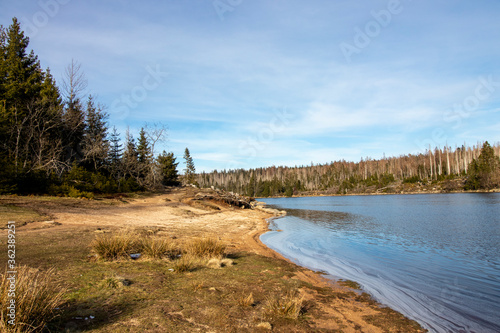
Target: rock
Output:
[(135, 256)]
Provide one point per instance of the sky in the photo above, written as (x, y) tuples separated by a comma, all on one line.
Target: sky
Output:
[(254, 83)]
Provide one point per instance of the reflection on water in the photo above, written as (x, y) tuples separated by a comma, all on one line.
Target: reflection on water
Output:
[(435, 258), (328, 219)]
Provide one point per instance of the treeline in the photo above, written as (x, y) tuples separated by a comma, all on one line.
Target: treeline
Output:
[(58, 141), (478, 165)]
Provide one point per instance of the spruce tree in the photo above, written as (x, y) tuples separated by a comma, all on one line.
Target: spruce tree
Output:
[(95, 143), (484, 172), (30, 113), (130, 157), (190, 170), (168, 169), (115, 154), (144, 154)]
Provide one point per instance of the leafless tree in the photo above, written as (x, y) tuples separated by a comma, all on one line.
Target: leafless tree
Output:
[(74, 82)]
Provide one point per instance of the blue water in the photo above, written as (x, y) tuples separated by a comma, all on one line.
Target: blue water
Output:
[(433, 257)]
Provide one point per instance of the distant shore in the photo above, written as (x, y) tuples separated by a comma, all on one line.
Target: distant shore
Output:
[(330, 194)]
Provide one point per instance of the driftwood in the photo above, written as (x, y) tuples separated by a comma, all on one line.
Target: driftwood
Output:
[(227, 198)]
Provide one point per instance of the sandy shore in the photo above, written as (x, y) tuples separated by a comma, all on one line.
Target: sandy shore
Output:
[(176, 215)]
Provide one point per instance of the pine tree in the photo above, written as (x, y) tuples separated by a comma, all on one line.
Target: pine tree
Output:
[(30, 113), (95, 143), (74, 83), (168, 169), (130, 157), (144, 153), (484, 172), (115, 154), (189, 172), (23, 76)]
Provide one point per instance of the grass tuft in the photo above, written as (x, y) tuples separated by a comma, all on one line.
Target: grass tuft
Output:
[(36, 296), (289, 306), (206, 248), (158, 248), (246, 300), (112, 247), (186, 264)]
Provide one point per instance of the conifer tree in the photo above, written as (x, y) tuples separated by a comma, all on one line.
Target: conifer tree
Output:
[(74, 83), (115, 154), (189, 172), (168, 169), (30, 112), (95, 144), (130, 156), (144, 154), (483, 172)]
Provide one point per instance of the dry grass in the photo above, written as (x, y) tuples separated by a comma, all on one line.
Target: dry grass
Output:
[(206, 247), (112, 247), (36, 295), (186, 263), (246, 300), (289, 306), (158, 248)]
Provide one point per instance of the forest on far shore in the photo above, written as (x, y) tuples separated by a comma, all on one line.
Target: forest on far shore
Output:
[(57, 140), (462, 169)]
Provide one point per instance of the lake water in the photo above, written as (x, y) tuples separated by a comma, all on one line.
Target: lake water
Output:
[(434, 257)]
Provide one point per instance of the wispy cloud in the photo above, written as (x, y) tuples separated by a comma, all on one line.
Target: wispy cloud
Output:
[(228, 78)]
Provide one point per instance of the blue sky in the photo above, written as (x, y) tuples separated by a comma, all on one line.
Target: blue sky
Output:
[(247, 84)]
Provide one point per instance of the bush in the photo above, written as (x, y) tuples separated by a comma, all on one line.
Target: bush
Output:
[(74, 193), (411, 180), (37, 297)]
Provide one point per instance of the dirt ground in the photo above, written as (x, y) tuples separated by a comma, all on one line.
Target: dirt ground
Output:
[(176, 215)]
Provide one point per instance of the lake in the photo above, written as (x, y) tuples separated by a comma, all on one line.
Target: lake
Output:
[(433, 257)]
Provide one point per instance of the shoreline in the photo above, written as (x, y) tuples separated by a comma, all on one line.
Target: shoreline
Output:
[(308, 195), (309, 256), (319, 278), (328, 303)]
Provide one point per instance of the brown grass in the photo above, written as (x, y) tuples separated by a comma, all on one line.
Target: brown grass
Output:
[(36, 299), (246, 300), (289, 306), (206, 247), (112, 247), (186, 263), (158, 248)]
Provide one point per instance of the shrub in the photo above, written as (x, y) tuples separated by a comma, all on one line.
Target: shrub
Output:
[(75, 193), (206, 248), (37, 297)]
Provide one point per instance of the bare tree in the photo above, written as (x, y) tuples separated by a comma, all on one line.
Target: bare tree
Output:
[(155, 133), (74, 82)]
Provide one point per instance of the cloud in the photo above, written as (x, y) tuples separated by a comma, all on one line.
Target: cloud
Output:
[(227, 80)]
